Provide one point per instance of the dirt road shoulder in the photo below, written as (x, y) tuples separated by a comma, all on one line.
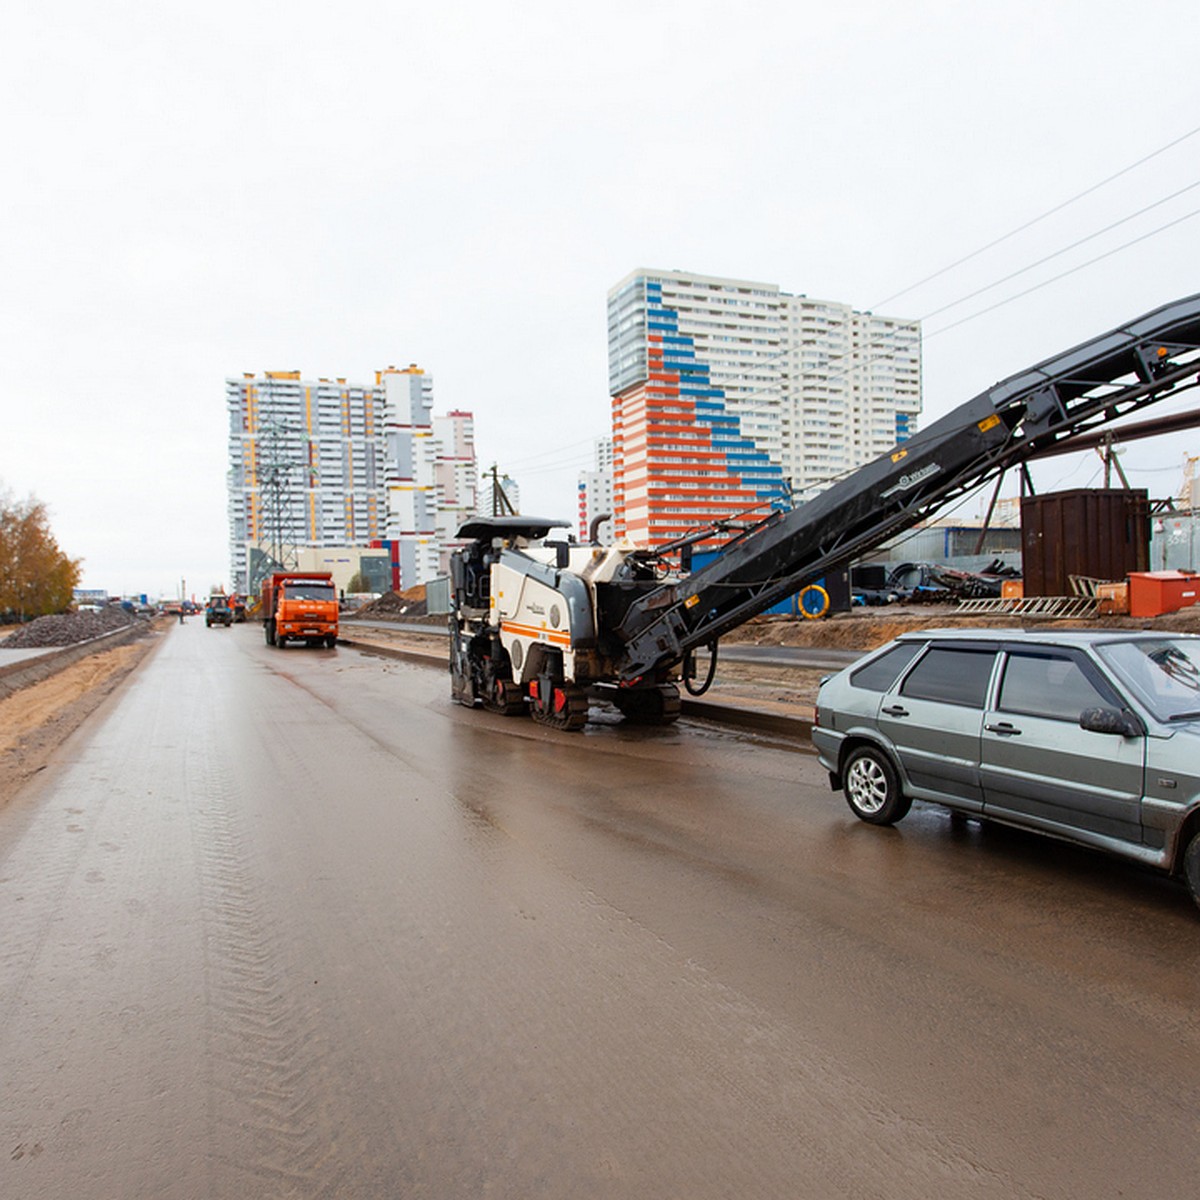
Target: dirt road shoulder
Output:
[(35, 721)]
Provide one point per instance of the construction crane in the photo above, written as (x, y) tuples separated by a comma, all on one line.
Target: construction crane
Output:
[(539, 626)]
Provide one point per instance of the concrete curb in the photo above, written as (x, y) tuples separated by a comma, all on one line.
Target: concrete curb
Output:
[(719, 712), (18, 675)]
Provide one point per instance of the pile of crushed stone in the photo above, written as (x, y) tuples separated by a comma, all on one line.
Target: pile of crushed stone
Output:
[(66, 629)]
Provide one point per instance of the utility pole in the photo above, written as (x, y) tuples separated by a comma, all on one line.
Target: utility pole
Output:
[(501, 504)]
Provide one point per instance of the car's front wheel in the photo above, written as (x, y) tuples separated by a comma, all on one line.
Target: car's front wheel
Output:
[(1191, 867), (872, 788)]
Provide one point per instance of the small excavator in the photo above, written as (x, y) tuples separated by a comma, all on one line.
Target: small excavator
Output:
[(541, 626)]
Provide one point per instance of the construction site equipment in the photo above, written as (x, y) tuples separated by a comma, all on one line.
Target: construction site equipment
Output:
[(301, 606), (217, 611), (539, 626)]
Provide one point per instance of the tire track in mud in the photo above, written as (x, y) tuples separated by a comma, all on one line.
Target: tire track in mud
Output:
[(265, 1059)]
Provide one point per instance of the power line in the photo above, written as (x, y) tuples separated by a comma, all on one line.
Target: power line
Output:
[(520, 462), (575, 463), (1064, 250), (1035, 220), (882, 341), (1063, 274)]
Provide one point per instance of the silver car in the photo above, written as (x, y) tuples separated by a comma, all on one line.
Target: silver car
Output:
[(1088, 735)]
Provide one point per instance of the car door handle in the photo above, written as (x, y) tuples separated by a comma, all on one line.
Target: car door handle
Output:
[(1004, 729), (895, 710)]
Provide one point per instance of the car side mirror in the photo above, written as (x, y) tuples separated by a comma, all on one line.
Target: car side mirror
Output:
[(1110, 720)]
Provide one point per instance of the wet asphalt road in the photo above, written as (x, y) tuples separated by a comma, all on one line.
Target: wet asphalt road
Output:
[(288, 923)]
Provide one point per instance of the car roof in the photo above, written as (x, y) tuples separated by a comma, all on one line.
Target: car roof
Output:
[(1047, 637)]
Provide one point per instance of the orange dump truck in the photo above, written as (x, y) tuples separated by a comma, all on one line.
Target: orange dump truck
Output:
[(301, 606)]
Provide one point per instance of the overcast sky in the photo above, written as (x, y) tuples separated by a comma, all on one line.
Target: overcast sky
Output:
[(193, 191)]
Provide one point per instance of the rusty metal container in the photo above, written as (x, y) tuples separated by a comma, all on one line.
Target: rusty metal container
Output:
[(1099, 533)]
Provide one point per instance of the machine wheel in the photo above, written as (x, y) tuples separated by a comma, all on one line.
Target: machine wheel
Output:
[(872, 789), (281, 640), (269, 632), (330, 641), (1191, 867), (650, 706), (506, 698), (566, 707)]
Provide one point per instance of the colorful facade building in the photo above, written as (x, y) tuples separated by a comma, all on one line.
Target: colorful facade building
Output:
[(731, 397)]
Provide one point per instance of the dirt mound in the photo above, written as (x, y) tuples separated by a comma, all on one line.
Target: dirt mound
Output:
[(395, 606), (864, 629), (66, 629)]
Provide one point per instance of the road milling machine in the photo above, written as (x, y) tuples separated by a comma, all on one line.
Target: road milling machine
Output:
[(540, 626)]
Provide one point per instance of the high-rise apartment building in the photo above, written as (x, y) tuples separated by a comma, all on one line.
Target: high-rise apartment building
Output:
[(849, 387), (689, 360), (456, 473), (595, 493), (321, 463), (728, 394)]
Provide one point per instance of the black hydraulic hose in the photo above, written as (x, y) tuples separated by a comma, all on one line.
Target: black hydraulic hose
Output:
[(689, 671)]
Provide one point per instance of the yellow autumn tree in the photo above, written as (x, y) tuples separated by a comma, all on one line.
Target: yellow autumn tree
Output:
[(36, 577)]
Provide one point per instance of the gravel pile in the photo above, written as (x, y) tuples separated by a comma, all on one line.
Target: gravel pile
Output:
[(66, 629)]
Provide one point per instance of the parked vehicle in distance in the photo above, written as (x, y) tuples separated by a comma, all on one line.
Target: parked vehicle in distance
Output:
[(237, 606), (1088, 735), (217, 611), (299, 605)]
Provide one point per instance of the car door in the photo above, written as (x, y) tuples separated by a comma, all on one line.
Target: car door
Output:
[(1040, 767), (934, 719)]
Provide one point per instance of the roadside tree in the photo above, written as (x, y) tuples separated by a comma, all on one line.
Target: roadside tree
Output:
[(36, 577)]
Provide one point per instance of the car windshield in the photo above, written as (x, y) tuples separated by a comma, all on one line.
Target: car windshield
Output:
[(308, 591), (1163, 673)]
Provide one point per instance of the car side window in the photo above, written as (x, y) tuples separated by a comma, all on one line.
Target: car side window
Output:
[(879, 674), (952, 675), (1048, 683)]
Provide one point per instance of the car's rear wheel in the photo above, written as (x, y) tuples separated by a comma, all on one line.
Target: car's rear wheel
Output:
[(872, 788), (1191, 867)]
